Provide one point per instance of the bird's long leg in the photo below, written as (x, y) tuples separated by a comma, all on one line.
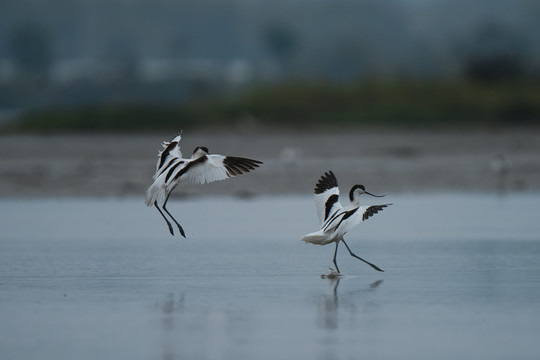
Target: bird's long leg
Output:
[(335, 254), (166, 220), (172, 217), (359, 258)]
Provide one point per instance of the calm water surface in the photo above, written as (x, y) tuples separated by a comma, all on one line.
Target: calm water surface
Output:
[(103, 279)]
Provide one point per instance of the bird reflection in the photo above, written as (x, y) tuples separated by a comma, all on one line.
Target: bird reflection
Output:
[(329, 304), (168, 308), (171, 304), (376, 284)]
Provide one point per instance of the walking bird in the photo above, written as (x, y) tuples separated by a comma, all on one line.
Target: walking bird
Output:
[(337, 220), (173, 170)]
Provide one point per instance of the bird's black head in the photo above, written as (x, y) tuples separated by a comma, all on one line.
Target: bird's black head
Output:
[(202, 148), (355, 187), (361, 190)]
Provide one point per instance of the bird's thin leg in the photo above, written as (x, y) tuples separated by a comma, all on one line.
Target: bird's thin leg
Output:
[(359, 258), (172, 217), (335, 254), (166, 220)]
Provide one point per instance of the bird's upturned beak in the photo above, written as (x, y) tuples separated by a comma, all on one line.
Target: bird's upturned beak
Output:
[(375, 195)]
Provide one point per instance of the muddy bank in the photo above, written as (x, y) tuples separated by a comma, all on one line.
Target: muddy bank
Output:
[(122, 165)]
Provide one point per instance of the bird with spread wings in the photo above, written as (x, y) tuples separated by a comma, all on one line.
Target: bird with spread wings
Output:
[(173, 170), (336, 220)]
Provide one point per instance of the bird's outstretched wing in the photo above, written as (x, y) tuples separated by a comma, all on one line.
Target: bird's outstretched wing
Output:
[(369, 211), (210, 168), (327, 196), (170, 152)]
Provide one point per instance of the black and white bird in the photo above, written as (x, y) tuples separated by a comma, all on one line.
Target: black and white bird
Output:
[(337, 220), (173, 170)]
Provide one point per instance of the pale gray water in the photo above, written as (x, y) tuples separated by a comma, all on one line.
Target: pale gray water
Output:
[(103, 279)]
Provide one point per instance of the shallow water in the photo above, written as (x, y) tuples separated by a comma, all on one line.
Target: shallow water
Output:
[(103, 279)]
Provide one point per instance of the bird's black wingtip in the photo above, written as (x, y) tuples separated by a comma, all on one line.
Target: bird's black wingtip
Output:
[(237, 165), (326, 182)]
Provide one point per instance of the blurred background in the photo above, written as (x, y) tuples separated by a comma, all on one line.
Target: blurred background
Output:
[(260, 67), (141, 64)]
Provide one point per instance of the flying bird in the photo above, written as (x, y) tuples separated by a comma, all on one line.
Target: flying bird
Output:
[(337, 220), (173, 170)]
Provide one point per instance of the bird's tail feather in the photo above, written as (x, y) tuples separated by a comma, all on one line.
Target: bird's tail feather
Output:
[(317, 238), (156, 192)]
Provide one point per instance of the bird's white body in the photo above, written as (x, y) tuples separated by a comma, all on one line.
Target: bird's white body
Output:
[(330, 231), (173, 170), (336, 220), (201, 168)]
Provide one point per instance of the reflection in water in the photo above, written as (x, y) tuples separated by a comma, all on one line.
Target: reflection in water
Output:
[(336, 305), (376, 284), (169, 307), (184, 330), (330, 304), (259, 299)]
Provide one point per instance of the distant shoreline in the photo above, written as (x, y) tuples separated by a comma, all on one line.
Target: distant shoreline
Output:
[(326, 106)]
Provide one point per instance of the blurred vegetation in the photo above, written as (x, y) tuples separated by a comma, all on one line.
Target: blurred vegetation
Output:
[(404, 104)]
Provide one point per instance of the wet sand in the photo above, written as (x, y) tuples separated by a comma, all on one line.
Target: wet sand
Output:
[(385, 162)]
